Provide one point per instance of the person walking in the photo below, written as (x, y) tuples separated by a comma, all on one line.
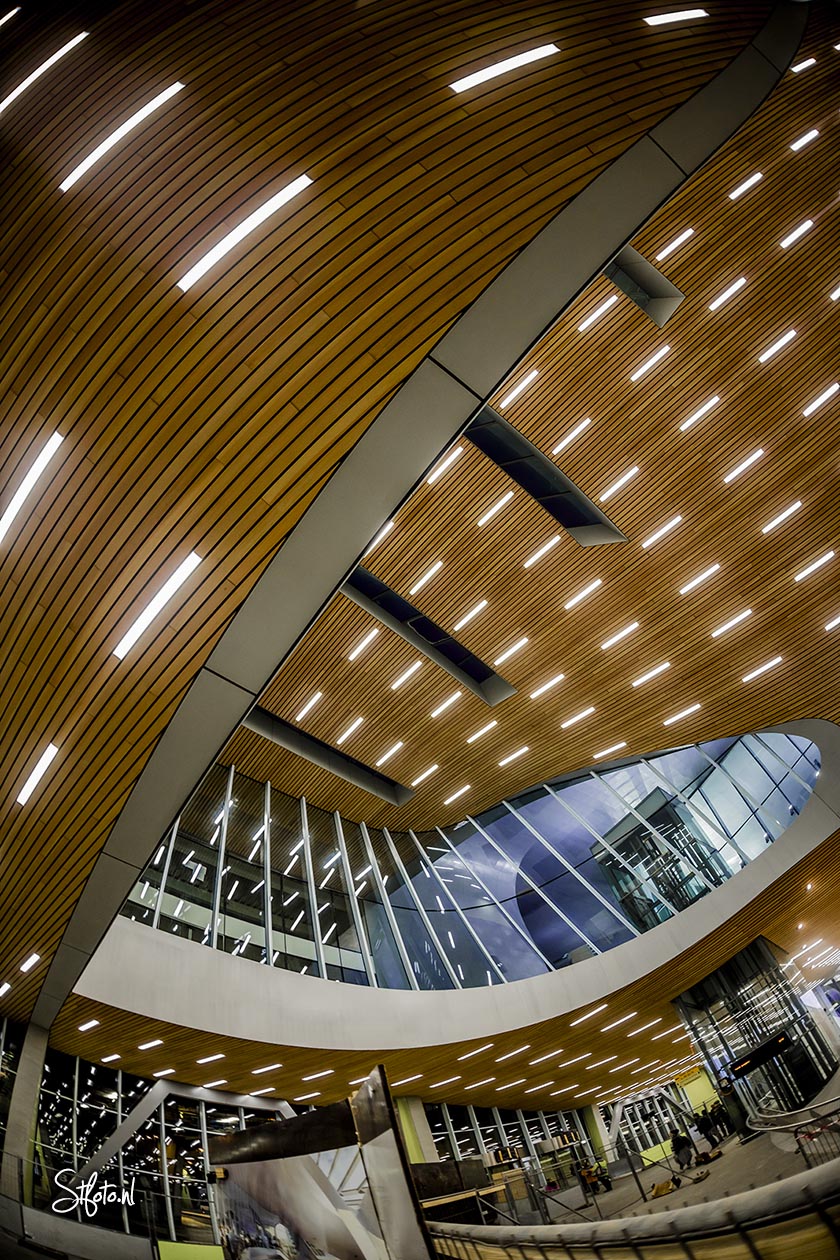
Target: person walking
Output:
[(682, 1148)]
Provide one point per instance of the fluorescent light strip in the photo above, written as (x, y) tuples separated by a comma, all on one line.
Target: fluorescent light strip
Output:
[(517, 389), (272, 1067), (699, 413), (269, 1089), (36, 74), (552, 1054), (762, 669), (742, 467), (483, 731), (40, 769), (567, 1089), (803, 65), (405, 675), (588, 1054), (519, 1081), (546, 686), (835, 295), (684, 15), (360, 647), (675, 244), (649, 363), (504, 67), (818, 564), (497, 507), (488, 1045), (35, 958), (405, 1080), (777, 346), (385, 530), (587, 590), (662, 531), (392, 752), (806, 139), (622, 1066), (445, 704), (121, 131), (622, 481), (110, 1058), (248, 225), (727, 293), (748, 183), (455, 795), (796, 233), (622, 634), (508, 652), (622, 1020), (8, 16), (316, 1075), (91, 1023), (427, 577), (476, 1084), (605, 752), (210, 1058), (354, 726), (733, 621), (448, 1081), (150, 1045), (5, 988), (570, 437), (164, 1072), (520, 752), (824, 397), (833, 624), (424, 775), (692, 708), (597, 313), (701, 577), (443, 465), (577, 717), (27, 485), (543, 550), (210, 1084), (535, 1088), (644, 1028), (157, 604), (467, 617)]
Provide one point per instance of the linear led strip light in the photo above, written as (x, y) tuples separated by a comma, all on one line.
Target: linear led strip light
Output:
[(243, 229), (504, 67), (683, 15), (7, 17), (37, 774), (42, 69), (123, 130), (27, 485), (157, 604)]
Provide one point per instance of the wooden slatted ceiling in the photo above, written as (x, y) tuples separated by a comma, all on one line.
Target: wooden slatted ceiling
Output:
[(209, 421), (588, 375), (775, 914)]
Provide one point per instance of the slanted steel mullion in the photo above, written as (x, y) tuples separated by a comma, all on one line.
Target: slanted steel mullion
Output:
[(529, 1142), (751, 801), (692, 809), (544, 1124), (503, 1137), (476, 1128), (655, 832), (311, 890), (387, 907), (220, 866), (447, 1121), (167, 1195), (211, 1189), (164, 875), (120, 1163), (355, 908), (267, 892), (777, 756), (421, 910)]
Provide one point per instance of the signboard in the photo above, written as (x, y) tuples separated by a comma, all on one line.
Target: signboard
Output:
[(760, 1055)]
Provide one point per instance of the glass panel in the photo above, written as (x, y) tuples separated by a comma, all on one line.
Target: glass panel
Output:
[(292, 938), (338, 931), (390, 972), (429, 971), (240, 929)]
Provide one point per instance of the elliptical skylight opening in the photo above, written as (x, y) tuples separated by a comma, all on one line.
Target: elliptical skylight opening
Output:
[(622, 481), (310, 704), (509, 652), (445, 463), (425, 775), (360, 647), (405, 675), (467, 617), (598, 312), (28, 484), (619, 635), (445, 704), (727, 293), (42, 69), (788, 240), (541, 551), (733, 621), (354, 726), (699, 413), (748, 183), (577, 717), (674, 244), (392, 752), (649, 363), (662, 531), (427, 577), (497, 507), (676, 717), (245, 228), (504, 67), (605, 752), (123, 130), (812, 568), (39, 770), (743, 466), (805, 139), (823, 397), (777, 345), (701, 577), (762, 669), (684, 15), (455, 795), (518, 389), (482, 731), (547, 686), (157, 604), (570, 437), (587, 590), (514, 756)]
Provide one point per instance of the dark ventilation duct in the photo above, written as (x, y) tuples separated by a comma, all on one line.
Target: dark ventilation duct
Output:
[(644, 284)]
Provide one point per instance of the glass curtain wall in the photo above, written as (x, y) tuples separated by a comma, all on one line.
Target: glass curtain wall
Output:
[(564, 871)]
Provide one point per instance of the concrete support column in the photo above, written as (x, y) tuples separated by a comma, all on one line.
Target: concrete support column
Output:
[(416, 1133), (23, 1115), (597, 1130)]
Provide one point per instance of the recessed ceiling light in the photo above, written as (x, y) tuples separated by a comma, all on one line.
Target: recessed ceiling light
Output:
[(427, 577), (649, 363), (835, 295), (272, 1067), (674, 244), (483, 731), (37, 774), (269, 1089), (644, 1028), (692, 708), (777, 345), (149, 1045), (445, 463), (392, 751), (520, 752), (577, 717), (541, 551), (587, 590), (605, 752), (36, 74), (727, 293), (699, 413), (796, 233), (467, 617), (662, 531), (621, 1066), (581, 1018), (27, 485), (762, 669), (833, 624), (566, 1090), (384, 531), (455, 795), (488, 1045), (210, 1058), (701, 577), (448, 1081), (497, 507), (360, 647), (164, 1072), (316, 1075), (812, 568), (621, 634), (424, 775), (91, 1023), (622, 481), (588, 1054), (405, 1080), (504, 67), (354, 726), (508, 652), (733, 621), (476, 1084), (616, 1022), (597, 313), (805, 139), (590, 1067), (243, 229), (546, 686), (520, 1080), (535, 1088), (803, 65), (214, 1084), (748, 183), (824, 397), (157, 604), (445, 704), (123, 130), (405, 675), (517, 389), (110, 1058), (7, 17), (570, 437), (552, 1054), (684, 15)]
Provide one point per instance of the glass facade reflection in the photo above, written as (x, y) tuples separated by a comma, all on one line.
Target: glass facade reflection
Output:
[(564, 871)]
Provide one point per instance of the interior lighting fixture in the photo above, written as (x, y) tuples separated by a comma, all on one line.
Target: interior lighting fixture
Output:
[(541, 551), (534, 1088), (570, 437), (448, 1081), (649, 363), (445, 704), (269, 1089), (581, 1018), (803, 65), (698, 415), (329, 932), (622, 481), (504, 67), (91, 1023), (806, 139), (483, 731), (354, 726), (748, 183), (676, 717), (616, 1022), (157, 604), (405, 1080), (621, 1066), (427, 577), (392, 751), (42, 69), (288, 869), (27, 485), (796, 233), (519, 1081), (824, 397), (467, 617), (424, 775), (38, 772), (520, 752), (508, 652), (546, 686), (597, 313), (594, 1090), (121, 131), (316, 1075), (164, 1072), (684, 15), (7, 17), (110, 1058), (476, 1084), (565, 1090), (360, 647), (777, 345), (835, 295), (272, 1067), (405, 675), (243, 229), (384, 531), (674, 244), (511, 1053), (665, 1032), (762, 669), (833, 624), (812, 568), (727, 293), (445, 463), (487, 1046), (518, 389), (577, 717), (733, 621), (497, 507), (619, 635), (455, 795), (297, 921), (587, 590), (644, 1028), (701, 577), (662, 531), (150, 1045), (605, 752), (552, 1054), (210, 1058), (213, 1084)]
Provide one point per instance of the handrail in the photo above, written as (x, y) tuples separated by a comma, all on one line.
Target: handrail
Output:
[(807, 1113)]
